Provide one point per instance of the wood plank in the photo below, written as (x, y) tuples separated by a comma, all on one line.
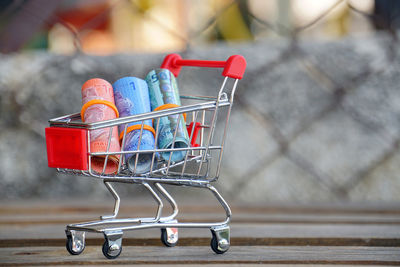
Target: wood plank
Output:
[(237, 265), (33, 234), (203, 241), (241, 234), (41, 224), (243, 217), (139, 205), (65, 212), (42, 256), (237, 230)]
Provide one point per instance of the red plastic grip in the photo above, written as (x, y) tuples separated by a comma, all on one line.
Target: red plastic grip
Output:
[(67, 148), (234, 67)]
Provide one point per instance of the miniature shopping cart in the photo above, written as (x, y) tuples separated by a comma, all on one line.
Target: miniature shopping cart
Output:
[(68, 148)]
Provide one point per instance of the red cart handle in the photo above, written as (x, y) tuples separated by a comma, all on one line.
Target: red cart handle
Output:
[(234, 67)]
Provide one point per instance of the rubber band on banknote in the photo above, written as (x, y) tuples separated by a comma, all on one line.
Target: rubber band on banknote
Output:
[(137, 127), (98, 101), (168, 106)]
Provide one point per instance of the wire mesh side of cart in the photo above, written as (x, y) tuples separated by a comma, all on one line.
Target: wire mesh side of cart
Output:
[(207, 120)]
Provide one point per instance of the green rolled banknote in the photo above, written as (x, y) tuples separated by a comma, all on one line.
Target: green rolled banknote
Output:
[(164, 94)]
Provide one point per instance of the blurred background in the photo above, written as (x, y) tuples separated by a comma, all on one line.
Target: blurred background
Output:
[(318, 108), (113, 26)]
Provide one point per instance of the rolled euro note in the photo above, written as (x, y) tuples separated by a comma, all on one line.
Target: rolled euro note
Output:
[(98, 105), (132, 98), (164, 93)]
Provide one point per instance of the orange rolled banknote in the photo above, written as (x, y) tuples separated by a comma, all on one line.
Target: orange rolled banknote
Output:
[(98, 105)]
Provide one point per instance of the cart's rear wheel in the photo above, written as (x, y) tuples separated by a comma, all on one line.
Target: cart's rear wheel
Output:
[(220, 241), (74, 249), (111, 252), (169, 236), (215, 247)]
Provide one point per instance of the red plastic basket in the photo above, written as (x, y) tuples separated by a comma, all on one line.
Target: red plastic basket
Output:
[(67, 148)]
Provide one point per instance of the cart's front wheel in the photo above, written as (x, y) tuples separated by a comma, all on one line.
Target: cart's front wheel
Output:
[(169, 236), (111, 251), (216, 248), (112, 246), (75, 242), (220, 241)]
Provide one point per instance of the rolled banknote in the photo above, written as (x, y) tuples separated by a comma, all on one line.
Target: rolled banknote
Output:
[(132, 98), (98, 105), (164, 93)]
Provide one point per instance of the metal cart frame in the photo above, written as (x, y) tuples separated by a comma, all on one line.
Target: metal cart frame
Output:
[(200, 167)]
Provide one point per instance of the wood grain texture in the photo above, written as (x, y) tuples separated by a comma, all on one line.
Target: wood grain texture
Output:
[(203, 255), (248, 230), (32, 233)]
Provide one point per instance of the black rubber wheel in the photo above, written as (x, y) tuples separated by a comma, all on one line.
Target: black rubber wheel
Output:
[(214, 246), (68, 245), (106, 251), (164, 238)]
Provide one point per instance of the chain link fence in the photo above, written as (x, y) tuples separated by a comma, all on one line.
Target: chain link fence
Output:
[(313, 120)]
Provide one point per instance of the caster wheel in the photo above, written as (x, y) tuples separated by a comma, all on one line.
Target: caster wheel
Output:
[(169, 236), (220, 241), (111, 252), (75, 245), (215, 247)]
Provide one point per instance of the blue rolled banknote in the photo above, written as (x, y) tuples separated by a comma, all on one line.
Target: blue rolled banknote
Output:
[(164, 93), (131, 98)]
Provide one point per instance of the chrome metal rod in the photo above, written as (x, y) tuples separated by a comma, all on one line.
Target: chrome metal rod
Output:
[(91, 224), (173, 143), (155, 145), (221, 152), (203, 120), (215, 192), (212, 126), (190, 141), (138, 147), (144, 223), (130, 180), (116, 203), (195, 97), (233, 90), (122, 148), (221, 90), (171, 201), (158, 200), (108, 149), (135, 118), (155, 150)]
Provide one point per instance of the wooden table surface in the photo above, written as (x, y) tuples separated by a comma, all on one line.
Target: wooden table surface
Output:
[(32, 233)]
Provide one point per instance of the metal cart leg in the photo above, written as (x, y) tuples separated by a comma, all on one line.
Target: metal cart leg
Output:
[(116, 203), (223, 203), (220, 241), (160, 205), (169, 235), (171, 201), (93, 226)]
